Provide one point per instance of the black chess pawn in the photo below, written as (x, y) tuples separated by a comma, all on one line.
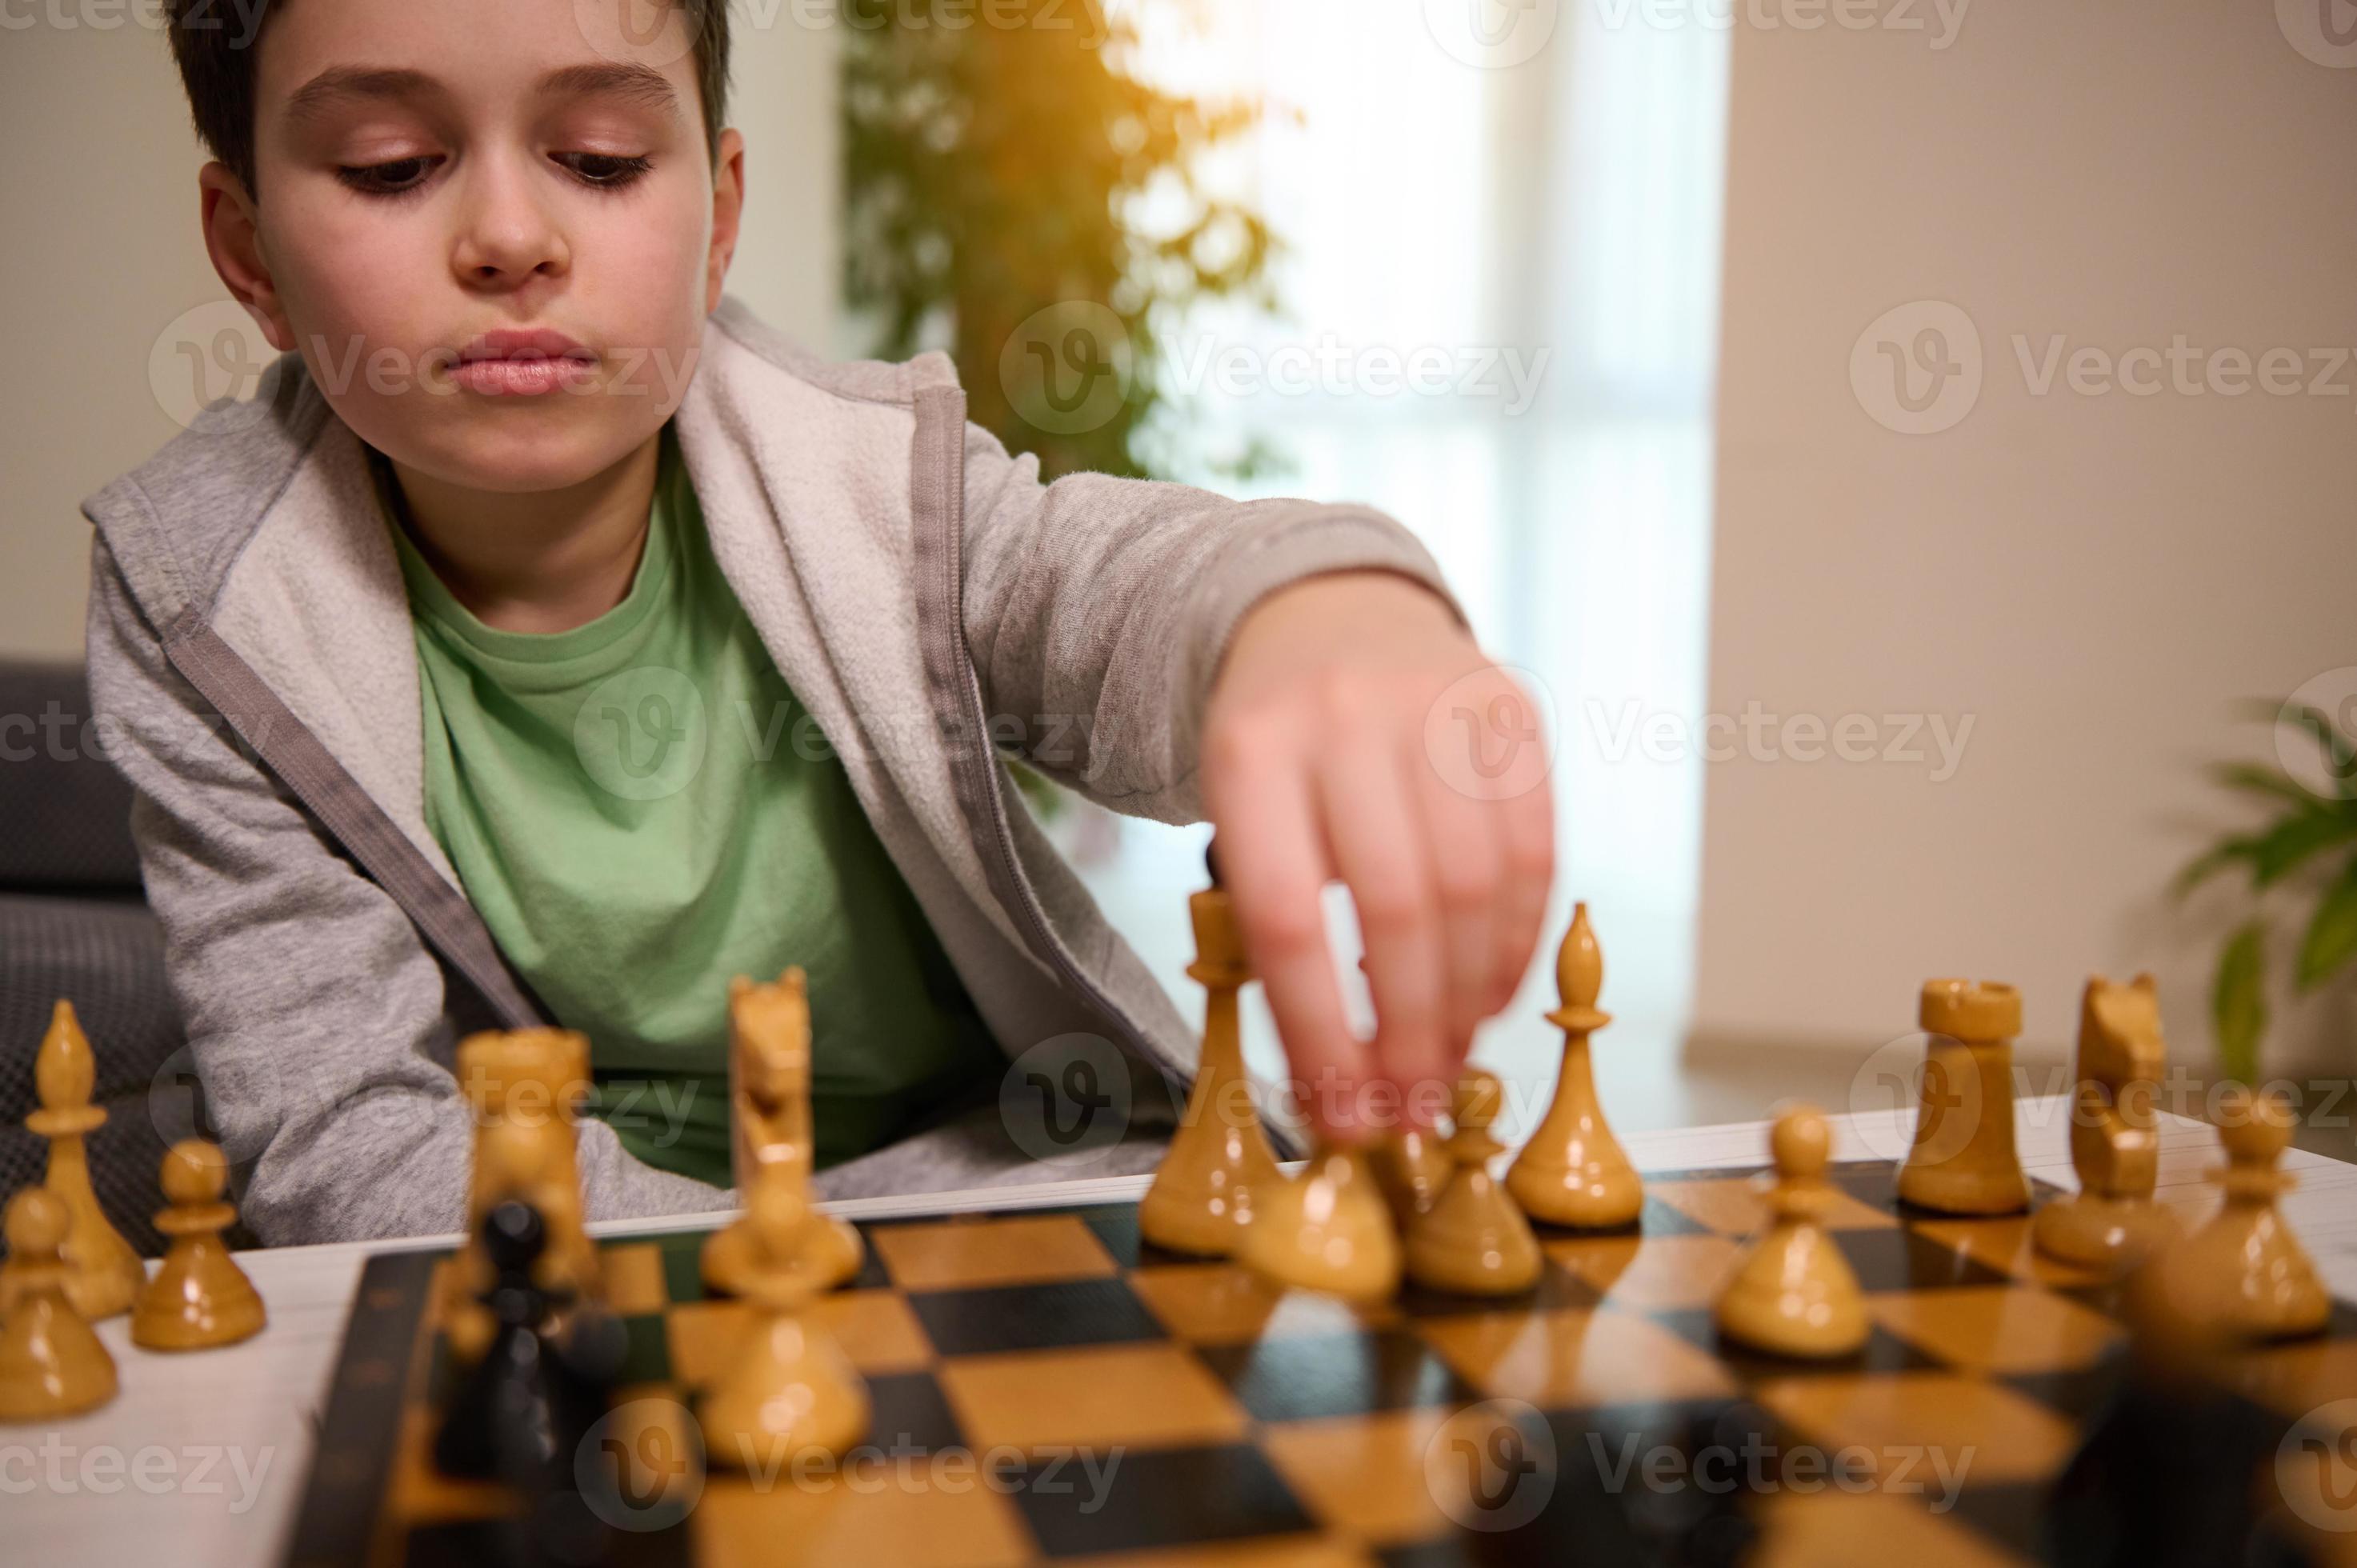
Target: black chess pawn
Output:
[(528, 1406)]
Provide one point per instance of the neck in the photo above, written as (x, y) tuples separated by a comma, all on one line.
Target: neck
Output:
[(537, 561)]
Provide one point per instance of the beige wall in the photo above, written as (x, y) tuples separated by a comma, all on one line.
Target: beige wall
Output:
[(2093, 579), (102, 253)]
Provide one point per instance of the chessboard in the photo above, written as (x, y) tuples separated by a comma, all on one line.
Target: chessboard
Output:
[(1047, 1387)]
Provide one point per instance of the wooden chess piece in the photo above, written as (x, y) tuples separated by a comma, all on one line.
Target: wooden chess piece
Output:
[(531, 1081), (1413, 1168), (52, 1363), (1573, 1172), (789, 1391), (1962, 1159), (1473, 1240), (1327, 1230), (1203, 1191), (1793, 1294), (2243, 1277), (2112, 1221), (105, 1271), (199, 1298), (769, 1059)]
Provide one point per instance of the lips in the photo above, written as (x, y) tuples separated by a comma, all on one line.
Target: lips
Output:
[(514, 362)]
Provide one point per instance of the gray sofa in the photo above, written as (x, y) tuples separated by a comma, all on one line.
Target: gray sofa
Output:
[(73, 924)]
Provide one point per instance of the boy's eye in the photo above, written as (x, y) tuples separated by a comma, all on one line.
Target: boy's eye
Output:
[(603, 168), (392, 178)]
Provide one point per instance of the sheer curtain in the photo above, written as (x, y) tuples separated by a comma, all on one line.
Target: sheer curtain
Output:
[(1540, 240)]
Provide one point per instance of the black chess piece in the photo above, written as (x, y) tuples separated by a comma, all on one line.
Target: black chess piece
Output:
[(504, 1420), (2166, 1478), (533, 1401)]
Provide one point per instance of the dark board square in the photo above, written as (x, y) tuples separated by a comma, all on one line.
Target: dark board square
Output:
[(1557, 1287), (496, 1543), (1874, 1183), (1033, 1318), (2078, 1392), (2012, 1513), (683, 1267), (1116, 1224), (1446, 1552), (1882, 1352), (1157, 1498), (911, 1411), (1900, 1258), (1305, 1377), (648, 1359)]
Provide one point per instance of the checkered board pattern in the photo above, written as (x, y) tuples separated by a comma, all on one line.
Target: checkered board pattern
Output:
[(1265, 1427)]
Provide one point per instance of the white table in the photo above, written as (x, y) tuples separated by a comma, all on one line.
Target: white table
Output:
[(201, 1458)]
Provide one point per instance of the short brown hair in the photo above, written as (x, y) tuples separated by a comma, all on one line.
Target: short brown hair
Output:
[(216, 64)]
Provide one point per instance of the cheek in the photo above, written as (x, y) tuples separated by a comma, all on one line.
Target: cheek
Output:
[(351, 286), (647, 277)]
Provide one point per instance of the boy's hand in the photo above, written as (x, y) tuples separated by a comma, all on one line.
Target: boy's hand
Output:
[(1333, 746)]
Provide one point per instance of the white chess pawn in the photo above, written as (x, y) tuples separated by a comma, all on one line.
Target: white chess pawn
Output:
[(1793, 1294)]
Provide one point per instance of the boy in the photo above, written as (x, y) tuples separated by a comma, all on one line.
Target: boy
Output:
[(554, 642)]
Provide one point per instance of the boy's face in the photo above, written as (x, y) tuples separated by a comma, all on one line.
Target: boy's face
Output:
[(435, 171)]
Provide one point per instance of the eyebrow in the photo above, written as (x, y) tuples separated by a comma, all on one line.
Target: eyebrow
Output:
[(340, 85)]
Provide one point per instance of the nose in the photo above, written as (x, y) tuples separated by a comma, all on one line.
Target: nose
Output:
[(508, 233)]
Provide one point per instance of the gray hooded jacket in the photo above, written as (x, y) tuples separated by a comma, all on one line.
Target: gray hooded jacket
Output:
[(930, 603)]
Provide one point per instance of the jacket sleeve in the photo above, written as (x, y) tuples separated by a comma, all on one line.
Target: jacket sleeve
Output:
[(1097, 609), (316, 1014)]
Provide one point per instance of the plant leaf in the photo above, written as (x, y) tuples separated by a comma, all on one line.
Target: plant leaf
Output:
[(2238, 1003), (2339, 755), (2209, 864), (2260, 780), (2332, 939), (2289, 845)]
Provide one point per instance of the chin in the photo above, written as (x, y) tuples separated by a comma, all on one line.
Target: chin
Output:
[(489, 451)]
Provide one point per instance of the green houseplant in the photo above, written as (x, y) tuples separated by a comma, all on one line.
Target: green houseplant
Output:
[(999, 167), (2306, 828)]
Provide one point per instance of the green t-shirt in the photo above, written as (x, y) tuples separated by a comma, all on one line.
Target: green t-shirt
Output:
[(640, 810)]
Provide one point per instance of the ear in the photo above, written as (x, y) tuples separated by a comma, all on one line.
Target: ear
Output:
[(727, 214), (234, 240)]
